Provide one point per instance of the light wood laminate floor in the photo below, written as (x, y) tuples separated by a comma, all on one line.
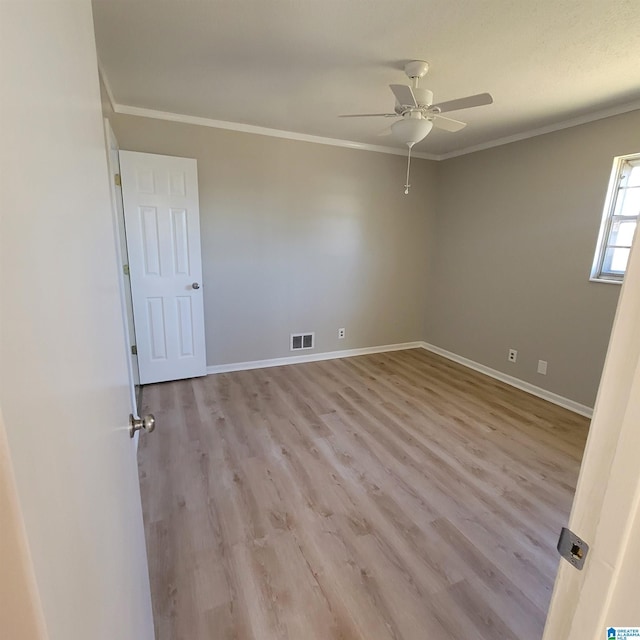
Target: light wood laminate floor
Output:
[(396, 496)]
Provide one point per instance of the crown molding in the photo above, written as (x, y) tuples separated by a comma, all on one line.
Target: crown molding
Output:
[(262, 131), (558, 126), (350, 144)]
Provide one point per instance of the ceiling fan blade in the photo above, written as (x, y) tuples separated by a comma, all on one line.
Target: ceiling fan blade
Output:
[(404, 95), (448, 124), (370, 115), (478, 100)]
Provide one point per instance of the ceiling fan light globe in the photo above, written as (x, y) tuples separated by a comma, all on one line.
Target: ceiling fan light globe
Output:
[(410, 131)]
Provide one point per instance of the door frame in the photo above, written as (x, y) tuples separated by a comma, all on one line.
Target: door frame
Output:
[(113, 150), (606, 505)]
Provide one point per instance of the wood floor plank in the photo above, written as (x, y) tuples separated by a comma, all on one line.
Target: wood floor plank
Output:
[(396, 496)]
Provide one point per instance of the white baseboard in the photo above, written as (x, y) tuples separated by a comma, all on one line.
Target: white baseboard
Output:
[(310, 357), (561, 401), (554, 398)]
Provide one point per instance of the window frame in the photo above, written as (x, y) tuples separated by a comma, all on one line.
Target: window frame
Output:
[(598, 272)]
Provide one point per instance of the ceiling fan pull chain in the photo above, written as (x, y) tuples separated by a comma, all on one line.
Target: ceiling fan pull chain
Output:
[(407, 185)]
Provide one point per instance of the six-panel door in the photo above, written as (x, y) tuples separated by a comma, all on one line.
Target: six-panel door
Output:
[(162, 222)]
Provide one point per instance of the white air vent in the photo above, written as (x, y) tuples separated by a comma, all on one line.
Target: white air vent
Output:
[(302, 341)]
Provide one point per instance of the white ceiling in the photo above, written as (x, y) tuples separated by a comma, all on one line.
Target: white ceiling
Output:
[(296, 64)]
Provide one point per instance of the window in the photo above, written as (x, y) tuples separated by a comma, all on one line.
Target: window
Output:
[(619, 221)]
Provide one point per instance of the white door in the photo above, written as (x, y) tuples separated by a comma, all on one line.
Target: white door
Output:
[(162, 221), (64, 393)]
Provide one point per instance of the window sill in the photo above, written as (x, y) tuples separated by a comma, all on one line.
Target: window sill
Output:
[(605, 281)]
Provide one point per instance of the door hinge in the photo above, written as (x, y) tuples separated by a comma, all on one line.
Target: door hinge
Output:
[(125, 269), (117, 180), (134, 350), (572, 548)]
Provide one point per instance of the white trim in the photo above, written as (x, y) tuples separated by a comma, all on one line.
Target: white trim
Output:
[(350, 144), (111, 147), (311, 357), (609, 201), (532, 133), (554, 398), (262, 131), (598, 272), (605, 280), (107, 86)]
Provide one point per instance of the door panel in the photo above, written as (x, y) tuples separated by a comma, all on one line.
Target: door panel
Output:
[(64, 391), (163, 239)]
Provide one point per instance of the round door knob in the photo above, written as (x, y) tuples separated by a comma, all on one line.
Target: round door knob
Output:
[(148, 424), (195, 285)]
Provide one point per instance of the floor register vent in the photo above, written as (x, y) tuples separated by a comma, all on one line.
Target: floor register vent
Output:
[(302, 341)]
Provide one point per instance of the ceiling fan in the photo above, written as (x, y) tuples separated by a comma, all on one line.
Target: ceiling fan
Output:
[(414, 105)]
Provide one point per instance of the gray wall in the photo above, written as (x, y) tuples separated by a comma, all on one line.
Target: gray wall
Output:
[(300, 237), (516, 228), (490, 250)]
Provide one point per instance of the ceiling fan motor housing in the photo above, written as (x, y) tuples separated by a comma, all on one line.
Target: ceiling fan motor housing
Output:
[(424, 97)]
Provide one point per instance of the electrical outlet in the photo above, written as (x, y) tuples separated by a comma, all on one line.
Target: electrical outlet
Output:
[(341, 333), (542, 367), (513, 355)]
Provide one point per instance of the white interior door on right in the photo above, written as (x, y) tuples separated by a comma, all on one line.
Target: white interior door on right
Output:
[(162, 221)]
